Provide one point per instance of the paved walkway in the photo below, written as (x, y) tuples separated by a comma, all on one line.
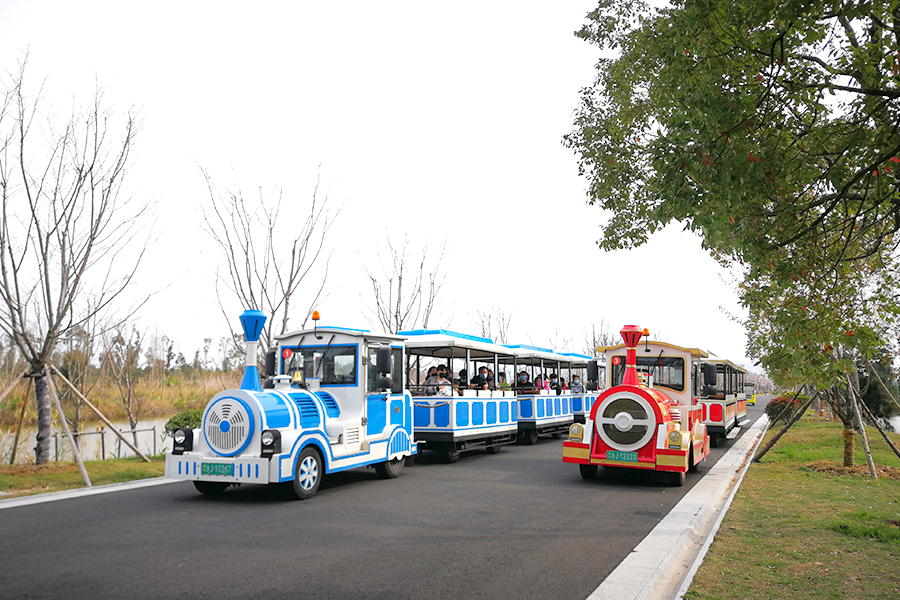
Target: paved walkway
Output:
[(663, 565)]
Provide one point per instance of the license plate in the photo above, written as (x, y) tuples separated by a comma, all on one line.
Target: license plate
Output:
[(621, 456), (217, 469)]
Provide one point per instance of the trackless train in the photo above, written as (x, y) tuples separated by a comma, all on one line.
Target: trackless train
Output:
[(337, 398), (648, 421)]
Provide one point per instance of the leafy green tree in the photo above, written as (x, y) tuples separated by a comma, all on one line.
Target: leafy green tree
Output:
[(771, 130)]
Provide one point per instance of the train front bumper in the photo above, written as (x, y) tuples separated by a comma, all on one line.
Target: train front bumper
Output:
[(193, 466)]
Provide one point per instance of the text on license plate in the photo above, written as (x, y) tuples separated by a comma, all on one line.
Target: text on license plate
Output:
[(622, 456), (217, 469)]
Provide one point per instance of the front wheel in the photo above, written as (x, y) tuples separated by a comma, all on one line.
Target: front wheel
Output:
[(389, 469), (676, 479), (692, 466), (210, 488), (492, 449), (714, 440), (588, 471), (308, 475), (530, 437)]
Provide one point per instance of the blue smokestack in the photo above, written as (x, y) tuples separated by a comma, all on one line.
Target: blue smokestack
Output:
[(252, 321)]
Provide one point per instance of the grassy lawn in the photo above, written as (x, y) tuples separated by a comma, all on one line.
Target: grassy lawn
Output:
[(801, 526), (22, 480)]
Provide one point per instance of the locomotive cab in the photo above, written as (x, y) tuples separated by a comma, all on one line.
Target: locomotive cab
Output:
[(649, 417)]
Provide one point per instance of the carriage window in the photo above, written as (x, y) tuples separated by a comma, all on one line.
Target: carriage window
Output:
[(667, 371), (335, 365)]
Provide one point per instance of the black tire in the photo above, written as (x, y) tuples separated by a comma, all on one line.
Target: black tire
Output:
[(530, 437), (451, 454), (389, 469), (308, 474), (691, 466), (492, 449), (676, 478), (714, 440), (588, 471), (210, 488), (557, 435)]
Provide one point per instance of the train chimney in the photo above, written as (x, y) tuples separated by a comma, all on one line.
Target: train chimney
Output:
[(252, 321), (632, 335)]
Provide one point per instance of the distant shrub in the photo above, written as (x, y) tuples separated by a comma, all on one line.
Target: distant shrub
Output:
[(775, 409), (187, 418)]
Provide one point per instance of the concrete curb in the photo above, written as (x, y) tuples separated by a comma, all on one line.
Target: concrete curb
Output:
[(91, 491), (663, 565)]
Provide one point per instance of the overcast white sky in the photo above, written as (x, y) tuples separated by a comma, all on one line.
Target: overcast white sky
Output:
[(435, 120)]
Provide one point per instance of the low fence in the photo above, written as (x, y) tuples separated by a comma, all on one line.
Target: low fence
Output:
[(102, 433)]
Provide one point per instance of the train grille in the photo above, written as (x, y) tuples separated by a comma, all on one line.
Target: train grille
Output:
[(227, 426), (625, 422)]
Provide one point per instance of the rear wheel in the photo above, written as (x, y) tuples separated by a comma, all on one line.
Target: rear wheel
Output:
[(492, 449), (308, 475), (389, 469), (676, 479), (210, 488), (530, 437), (691, 465), (588, 471), (714, 440), (451, 453)]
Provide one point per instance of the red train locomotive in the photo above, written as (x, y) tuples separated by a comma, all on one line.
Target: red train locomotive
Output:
[(649, 417)]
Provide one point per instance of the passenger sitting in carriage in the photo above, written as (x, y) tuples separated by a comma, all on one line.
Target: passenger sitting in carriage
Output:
[(482, 381), (576, 387), (523, 386)]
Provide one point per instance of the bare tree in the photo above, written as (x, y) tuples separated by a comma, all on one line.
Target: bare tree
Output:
[(598, 334), (121, 356), (261, 273), (405, 290), (63, 225), (493, 320)]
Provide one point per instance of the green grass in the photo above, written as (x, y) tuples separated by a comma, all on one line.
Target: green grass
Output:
[(23, 480), (802, 526)]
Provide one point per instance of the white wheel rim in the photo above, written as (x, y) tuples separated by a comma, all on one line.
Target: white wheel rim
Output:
[(625, 422), (309, 473)]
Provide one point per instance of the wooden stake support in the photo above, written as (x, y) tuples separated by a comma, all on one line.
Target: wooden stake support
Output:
[(100, 414), (62, 418), (12, 458), (787, 426)]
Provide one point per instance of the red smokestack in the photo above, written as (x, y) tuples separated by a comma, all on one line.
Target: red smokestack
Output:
[(632, 335)]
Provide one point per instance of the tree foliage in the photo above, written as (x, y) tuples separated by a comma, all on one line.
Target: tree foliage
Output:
[(771, 130)]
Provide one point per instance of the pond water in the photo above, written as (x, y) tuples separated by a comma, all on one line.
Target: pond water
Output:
[(95, 442)]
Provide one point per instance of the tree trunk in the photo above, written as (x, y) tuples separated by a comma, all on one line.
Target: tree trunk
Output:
[(848, 446), (45, 415)]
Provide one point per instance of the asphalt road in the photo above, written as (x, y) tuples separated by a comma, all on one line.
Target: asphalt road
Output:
[(520, 524)]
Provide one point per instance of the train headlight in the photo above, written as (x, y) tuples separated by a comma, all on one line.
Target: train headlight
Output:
[(675, 439), (270, 441), (183, 440), (576, 432)]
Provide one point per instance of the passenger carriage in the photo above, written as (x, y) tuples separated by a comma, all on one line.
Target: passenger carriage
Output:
[(335, 401), (584, 402), (723, 399), (545, 412), (649, 421), (451, 421)]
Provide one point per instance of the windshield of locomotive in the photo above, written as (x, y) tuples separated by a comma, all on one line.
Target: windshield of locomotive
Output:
[(334, 365), (667, 371)]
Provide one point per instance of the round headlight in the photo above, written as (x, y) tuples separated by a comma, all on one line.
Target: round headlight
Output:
[(268, 438), (675, 436), (179, 437)]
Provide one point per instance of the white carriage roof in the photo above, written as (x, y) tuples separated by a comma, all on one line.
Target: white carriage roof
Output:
[(532, 355), (442, 343), (715, 360)]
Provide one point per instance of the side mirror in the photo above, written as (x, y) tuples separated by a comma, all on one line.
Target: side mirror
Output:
[(383, 361), (270, 363), (593, 371)]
